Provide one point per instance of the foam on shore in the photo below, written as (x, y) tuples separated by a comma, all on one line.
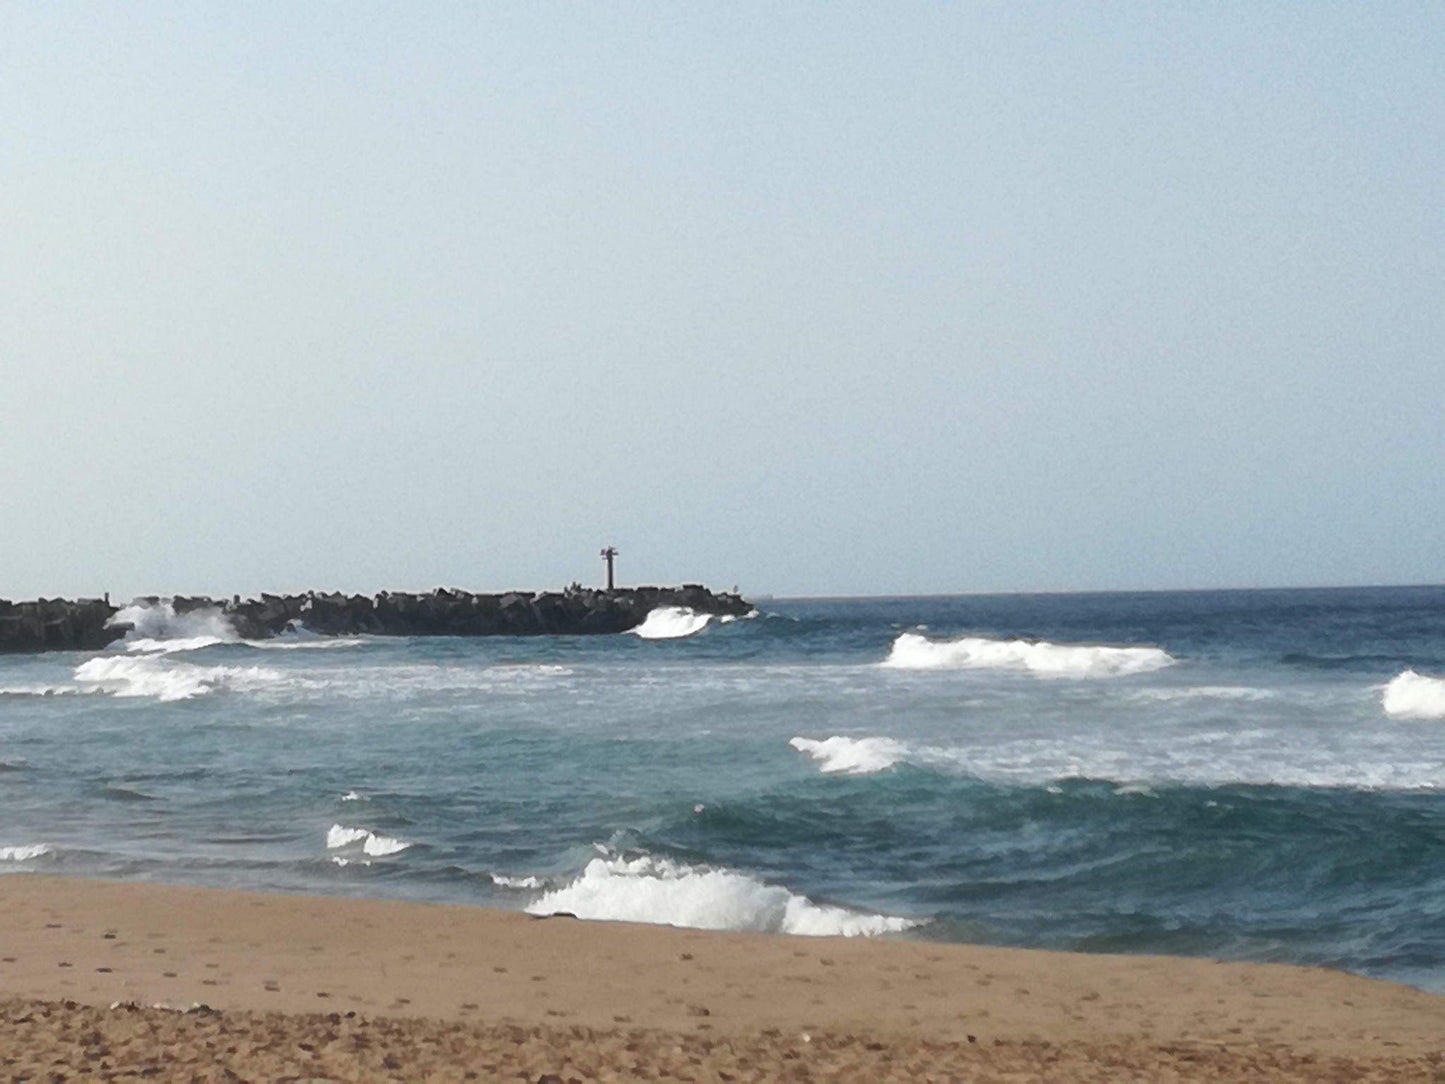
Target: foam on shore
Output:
[(646, 888)]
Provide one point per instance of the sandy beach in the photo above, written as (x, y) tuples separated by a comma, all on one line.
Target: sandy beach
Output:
[(96, 978)]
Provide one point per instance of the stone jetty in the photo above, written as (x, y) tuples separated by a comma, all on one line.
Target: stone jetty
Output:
[(90, 624)]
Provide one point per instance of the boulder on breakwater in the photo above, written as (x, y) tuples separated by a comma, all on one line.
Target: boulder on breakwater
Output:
[(86, 624)]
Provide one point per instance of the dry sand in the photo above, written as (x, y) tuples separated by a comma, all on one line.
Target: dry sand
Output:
[(303, 987)]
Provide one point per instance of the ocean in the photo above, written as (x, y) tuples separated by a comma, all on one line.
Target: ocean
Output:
[(1245, 775)]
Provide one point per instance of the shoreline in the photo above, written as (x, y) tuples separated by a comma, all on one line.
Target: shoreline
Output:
[(479, 975)]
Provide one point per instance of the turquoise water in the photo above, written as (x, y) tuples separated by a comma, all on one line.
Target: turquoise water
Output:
[(1250, 777)]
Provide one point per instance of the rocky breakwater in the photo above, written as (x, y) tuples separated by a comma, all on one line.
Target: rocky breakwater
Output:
[(56, 624), (88, 624), (443, 612)]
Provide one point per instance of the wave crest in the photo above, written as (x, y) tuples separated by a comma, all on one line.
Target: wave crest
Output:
[(912, 651), (1415, 696), (655, 890), (152, 676), (671, 623), (339, 836), (851, 756), (24, 852)]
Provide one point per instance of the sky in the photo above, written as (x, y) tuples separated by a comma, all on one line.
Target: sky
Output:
[(806, 298)]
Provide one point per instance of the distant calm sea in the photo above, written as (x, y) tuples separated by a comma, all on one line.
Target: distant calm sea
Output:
[(1255, 775)]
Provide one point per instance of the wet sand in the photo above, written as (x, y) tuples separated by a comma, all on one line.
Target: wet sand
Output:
[(343, 989)]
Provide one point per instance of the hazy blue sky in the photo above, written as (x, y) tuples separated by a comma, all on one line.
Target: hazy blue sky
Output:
[(812, 298)]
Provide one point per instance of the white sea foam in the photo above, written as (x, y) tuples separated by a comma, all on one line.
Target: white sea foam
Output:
[(1141, 763), (303, 639), (338, 835), (24, 852), (671, 623), (852, 756), (1206, 692), (155, 676), (378, 845), (372, 843), (175, 644), (911, 651), (352, 796), (1415, 696), (655, 890), (503, 880), (403, 682), (158, 628)]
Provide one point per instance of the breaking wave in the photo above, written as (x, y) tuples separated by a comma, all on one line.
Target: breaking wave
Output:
[(671, 623), (1415, 696), (339, 837), (912, 651), (158, 628), (655, 890), (1208, 758), (153, 675), (24, 852), (851, 756), (288, 642)]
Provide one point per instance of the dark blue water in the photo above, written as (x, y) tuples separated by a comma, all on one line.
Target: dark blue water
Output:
[(1251, 775)]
